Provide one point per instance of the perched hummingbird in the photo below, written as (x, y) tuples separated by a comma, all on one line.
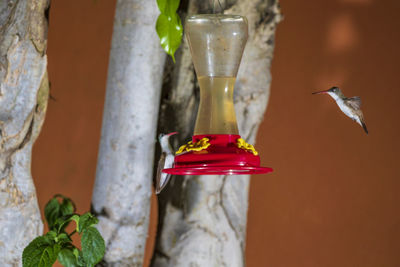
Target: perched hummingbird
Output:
[(166, 161), (351, 106)]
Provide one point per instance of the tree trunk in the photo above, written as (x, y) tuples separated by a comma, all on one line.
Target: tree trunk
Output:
[(202, 220), (23, 101), (122, 190)]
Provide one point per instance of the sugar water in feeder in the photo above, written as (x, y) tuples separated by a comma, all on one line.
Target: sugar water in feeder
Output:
[(216, 43)]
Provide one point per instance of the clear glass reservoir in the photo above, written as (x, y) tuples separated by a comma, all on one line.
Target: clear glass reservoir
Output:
[(216, 43)]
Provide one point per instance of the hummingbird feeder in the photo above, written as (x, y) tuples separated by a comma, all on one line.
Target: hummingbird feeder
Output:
[(216, 43)]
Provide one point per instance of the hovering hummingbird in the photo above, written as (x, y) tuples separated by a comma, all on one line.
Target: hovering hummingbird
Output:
[(351, 106), (166, 161)]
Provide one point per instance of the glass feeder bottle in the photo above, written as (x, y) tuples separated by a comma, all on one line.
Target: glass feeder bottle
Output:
[(216, 43)]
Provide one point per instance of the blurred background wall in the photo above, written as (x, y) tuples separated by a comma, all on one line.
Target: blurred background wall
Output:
[(333, 199)]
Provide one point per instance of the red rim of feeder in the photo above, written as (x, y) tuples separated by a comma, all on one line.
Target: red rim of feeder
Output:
[(222, 156)]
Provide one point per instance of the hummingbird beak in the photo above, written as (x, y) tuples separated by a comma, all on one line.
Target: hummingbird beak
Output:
[(173, 133), (321, 92)]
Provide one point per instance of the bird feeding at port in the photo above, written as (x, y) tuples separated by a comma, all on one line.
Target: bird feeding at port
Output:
[(350, 106), (166, 161), (216, 42)]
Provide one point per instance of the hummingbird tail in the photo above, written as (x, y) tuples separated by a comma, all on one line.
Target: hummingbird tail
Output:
[(364, 127)]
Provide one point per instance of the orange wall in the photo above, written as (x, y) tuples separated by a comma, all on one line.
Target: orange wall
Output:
[(332, 199)]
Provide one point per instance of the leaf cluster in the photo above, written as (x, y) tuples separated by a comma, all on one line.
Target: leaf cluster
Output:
[(57, 244), (169, 27)]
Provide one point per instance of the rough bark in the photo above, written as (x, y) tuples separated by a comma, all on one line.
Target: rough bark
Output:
[(202, 219), (24, 92), (122, 190)]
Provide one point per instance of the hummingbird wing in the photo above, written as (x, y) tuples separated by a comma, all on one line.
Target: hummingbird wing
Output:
[(162, 178), (354, 102), (160, 167)]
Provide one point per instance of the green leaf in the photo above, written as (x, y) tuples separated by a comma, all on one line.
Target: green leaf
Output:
[(51, 235), (51, 212), (79, 257), (31, 254), (67, 258), (168, 7), (64, 221), (169, 29), (63, 238), (67, 206), (93, 247), (86, 220), (54, 211), (49, 256), (41, 252)]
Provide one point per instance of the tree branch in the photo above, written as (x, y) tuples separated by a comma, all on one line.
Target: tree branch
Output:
[(122, 190), (23, 103)]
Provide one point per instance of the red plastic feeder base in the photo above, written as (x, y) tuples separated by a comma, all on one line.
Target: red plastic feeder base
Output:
[(222, 156)]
